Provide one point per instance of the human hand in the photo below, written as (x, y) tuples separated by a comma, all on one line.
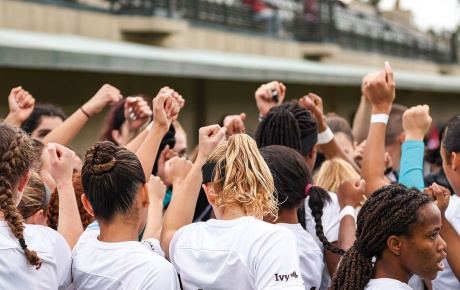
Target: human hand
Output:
[(265, 99), (165, 155), (61, 160), (314, 104), (235, 124), (106, 95), (137, 113), (416, 122), (165, 109), (180, 101), (358, 153), (381, 91), (440, 195), (176, 169), (350, 192), (209, 137), (21, 104), (157, 189), (366, 79)]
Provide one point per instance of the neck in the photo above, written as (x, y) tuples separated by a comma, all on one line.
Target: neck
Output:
[(121, 229), (288, 216), (395, 152), (385, 269), (229, 213)]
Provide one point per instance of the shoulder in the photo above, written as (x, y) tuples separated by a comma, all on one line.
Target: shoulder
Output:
[(41, 237)]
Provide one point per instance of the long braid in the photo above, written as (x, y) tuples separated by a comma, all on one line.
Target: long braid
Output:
[(389, 211), (17, 157)]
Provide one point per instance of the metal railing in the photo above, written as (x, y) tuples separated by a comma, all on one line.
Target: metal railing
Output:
[(330, 23)]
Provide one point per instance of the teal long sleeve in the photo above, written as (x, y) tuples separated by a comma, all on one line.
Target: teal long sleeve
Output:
[(411, 166)]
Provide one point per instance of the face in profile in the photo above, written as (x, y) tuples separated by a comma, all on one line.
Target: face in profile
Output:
[(423, 251), (47, 124)]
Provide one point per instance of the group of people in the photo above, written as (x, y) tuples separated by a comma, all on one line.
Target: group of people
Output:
[(308, 202)]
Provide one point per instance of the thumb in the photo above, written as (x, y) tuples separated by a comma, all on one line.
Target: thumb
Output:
[(220, 134), (243, 116), (163, 154), (436, 189), (52, 152)]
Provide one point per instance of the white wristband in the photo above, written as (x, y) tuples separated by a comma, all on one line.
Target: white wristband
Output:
[(325, 137), (347, 210), (379, 118), (149, 126)]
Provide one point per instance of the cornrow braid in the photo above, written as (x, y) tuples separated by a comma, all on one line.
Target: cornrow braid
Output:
[(17, 157), (391, 210)]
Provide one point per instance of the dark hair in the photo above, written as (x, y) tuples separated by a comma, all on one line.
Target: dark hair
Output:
[(287, 125), (35, 118), (395, 124), (114, 120), (17, 157), (338, 124), (451, 140), (111, 178), (53, 205), (292, 175), (391, 210)]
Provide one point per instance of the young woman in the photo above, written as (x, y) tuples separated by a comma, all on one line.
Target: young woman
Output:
[(293, 184), (23, 246), (34, 202), (400, 228), (236, 250), (115, 184)]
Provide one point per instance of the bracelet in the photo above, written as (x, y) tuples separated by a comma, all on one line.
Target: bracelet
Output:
[(325, 136), (149, 126), (379, 118), (347, 210), (261, 117), (86, 114)]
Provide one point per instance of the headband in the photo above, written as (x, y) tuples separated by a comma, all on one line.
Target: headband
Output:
[(308, 142), (47, 195), (208, 171), (362, 251)]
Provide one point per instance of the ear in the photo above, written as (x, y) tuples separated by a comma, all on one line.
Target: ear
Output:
[(116, 135), (209, 190), (87, 205), (145, 195), (454, 160), (355, 144), (402, 138), (23, 181), (394, 243)]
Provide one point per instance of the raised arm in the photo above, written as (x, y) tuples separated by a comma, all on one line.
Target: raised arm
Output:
[(182, 206), (69, 225), (330, 148), (157, 191), (381, 92), (66, 132), (362, 117), (268, 96), (21, 104), (416, 121)]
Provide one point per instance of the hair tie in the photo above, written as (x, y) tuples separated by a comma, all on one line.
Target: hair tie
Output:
[(307, 190), (22, 242), (362, 251)]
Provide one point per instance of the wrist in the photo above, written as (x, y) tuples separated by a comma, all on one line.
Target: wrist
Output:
[(158, 129), (64, 185), (415, 136), (347, 210), (13, 119), (88, 109), (381, 109)]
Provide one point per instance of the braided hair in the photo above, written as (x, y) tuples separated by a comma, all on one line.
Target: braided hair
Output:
[(391, 210), (16, 158), (288, 125)]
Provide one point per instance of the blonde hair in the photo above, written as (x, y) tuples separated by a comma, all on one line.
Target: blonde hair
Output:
[(34, 196), (332, 173), (247, 181)]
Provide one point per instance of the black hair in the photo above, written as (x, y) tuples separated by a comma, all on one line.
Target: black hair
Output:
[(34, 120), (391, 210), (451, 139)]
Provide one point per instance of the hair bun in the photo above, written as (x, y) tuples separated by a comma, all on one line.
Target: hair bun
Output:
[(100, 158)]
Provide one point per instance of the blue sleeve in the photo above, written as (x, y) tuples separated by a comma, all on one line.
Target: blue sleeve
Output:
[(411, 166)]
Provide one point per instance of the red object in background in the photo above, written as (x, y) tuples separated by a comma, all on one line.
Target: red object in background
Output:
[(433, 137), (256, 5)]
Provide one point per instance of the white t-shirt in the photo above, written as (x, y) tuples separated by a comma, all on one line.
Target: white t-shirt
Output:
[(446, 279), (386, 284), (331, 224), (51, 248), (310, 255), (243, 253), (123, 265)]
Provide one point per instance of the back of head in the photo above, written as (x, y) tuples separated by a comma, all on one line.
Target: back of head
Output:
[(34, 197), (391, 210), (111, 177), (451, 139), (289, 125), (16, 158), (394, 126), (332, 172), (48, 110), (242, 177), (339, 124)]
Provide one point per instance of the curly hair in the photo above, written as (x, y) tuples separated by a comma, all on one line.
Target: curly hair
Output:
[(16, 158), (391, 210), (247, 180), (53, 206)]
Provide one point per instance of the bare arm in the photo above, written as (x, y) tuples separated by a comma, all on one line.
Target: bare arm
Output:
[(362, 117), (182, 206), (66, 132), (157, 192)]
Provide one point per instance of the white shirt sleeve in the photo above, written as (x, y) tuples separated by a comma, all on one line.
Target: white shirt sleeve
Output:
[(277, 262), (63, 262), (312, 265), (331, 219), (165, 277)]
